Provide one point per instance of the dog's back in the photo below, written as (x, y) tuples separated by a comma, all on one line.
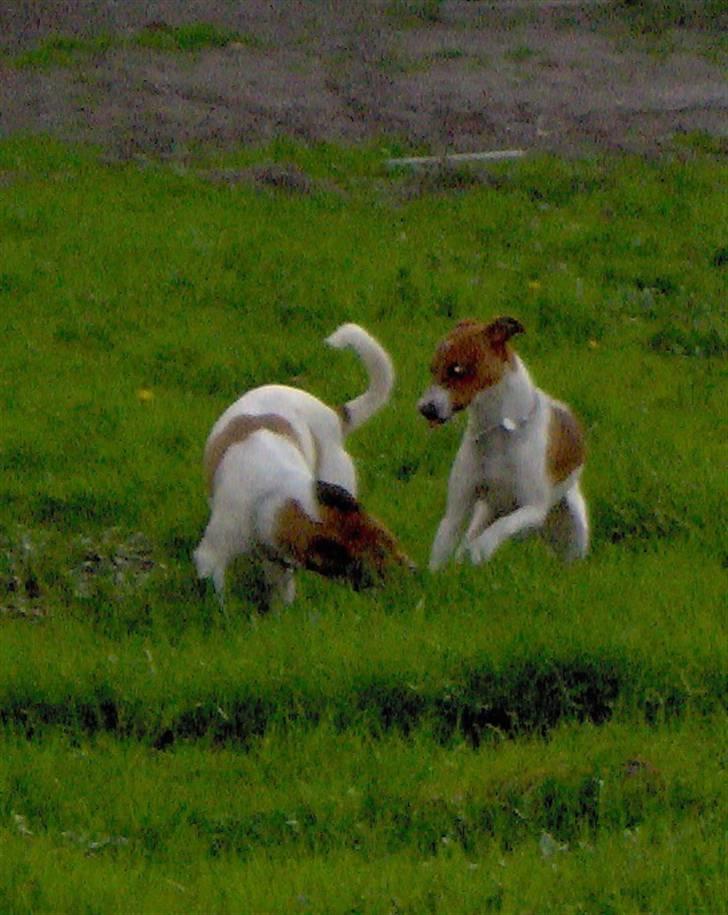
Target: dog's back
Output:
[(264, 463), (289, 411)]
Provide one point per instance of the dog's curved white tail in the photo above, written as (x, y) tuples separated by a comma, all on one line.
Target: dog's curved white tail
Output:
[(378, 365)]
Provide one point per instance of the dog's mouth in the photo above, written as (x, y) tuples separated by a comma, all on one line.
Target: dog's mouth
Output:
[(436, 406), (435, 419), (432, 414)]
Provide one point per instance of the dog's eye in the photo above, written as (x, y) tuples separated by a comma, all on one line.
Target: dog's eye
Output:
[(457, 370)]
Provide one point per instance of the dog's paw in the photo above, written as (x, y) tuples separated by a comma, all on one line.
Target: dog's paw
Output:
[(481, 549)]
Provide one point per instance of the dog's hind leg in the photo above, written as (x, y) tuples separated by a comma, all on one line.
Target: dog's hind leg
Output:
[(214, 552), (567, 526), (208, 565)]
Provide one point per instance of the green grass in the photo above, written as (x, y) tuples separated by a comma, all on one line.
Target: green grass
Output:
[(301, 815), (516, 737), (656, 16), (520, 53), (190, 37), (61, 51), (67, 50), (415, 12)]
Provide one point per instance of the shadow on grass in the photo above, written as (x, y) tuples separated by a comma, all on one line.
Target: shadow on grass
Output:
[(526, 696)]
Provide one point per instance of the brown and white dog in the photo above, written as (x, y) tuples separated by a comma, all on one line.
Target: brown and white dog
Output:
[(282, 486), (521, 458)]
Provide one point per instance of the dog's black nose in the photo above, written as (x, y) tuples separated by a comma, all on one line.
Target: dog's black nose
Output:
[(429, 410)]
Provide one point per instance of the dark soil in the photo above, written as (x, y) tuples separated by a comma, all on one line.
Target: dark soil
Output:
[(565, 76)]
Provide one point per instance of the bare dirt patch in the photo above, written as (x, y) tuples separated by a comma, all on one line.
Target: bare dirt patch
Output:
[(450, 76)]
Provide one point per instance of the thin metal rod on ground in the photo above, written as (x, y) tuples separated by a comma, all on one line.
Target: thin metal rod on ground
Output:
[(450, 158)]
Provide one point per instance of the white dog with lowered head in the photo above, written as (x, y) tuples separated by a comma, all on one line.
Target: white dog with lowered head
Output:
[(521, 458), (283, 487)]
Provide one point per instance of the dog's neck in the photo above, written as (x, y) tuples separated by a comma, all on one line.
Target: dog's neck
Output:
[(512, 400)]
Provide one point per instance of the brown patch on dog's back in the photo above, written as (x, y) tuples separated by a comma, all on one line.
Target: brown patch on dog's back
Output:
[(566, 450), (474, 356), (237, 430)]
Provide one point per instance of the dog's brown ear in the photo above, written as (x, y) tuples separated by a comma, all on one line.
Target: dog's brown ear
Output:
[(502, 329)]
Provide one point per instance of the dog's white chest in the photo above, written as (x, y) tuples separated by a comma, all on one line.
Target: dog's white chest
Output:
[(501, 460)]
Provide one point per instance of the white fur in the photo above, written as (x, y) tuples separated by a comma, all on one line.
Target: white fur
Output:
[(259, 475), (253, 482), (378, 365), (499, 487)]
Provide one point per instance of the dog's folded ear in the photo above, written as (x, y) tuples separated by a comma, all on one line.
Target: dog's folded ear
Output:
[(330, 495), (501, 330)]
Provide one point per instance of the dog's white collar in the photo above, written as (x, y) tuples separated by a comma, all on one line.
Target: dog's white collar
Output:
[(508, 424)]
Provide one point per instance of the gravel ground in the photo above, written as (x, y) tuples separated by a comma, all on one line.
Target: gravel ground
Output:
[(457, 76)]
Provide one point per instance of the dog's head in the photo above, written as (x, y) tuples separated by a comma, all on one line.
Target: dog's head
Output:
[(347, 543), (473, 357)]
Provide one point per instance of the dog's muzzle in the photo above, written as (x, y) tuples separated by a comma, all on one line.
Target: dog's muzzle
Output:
[(429, 411), (435, 406)]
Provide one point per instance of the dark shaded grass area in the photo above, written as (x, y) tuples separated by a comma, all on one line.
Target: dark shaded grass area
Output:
[(525, 696)]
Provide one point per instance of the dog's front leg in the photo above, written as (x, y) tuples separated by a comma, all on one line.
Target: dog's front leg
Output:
[(481, 516), (280, 582), (521, 521), (461, 499)]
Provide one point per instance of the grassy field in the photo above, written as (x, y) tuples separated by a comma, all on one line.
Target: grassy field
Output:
[(519, 737)]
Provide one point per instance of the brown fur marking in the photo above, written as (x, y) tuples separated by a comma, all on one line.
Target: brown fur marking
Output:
[(566, 450), (294, 531), (346, 543), (237, 430)]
